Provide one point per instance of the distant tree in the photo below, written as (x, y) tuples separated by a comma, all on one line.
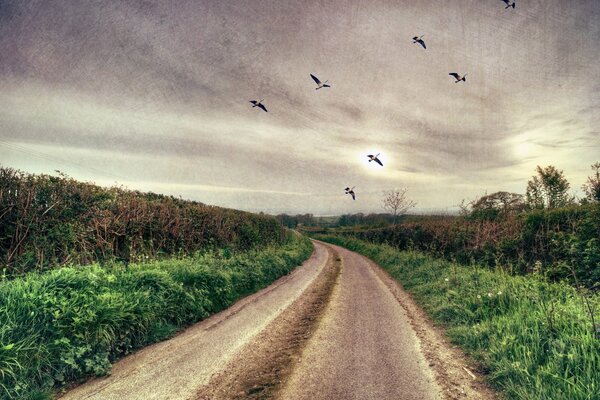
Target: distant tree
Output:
[(396, 202), (549, 189), (497, 204), (592, 186)]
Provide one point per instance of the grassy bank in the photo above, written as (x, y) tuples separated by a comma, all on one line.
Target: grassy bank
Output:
[(73, 322), (534, 339)]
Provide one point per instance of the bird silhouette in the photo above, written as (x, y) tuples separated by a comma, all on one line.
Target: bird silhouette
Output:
[(509, 4), (351, 192), (319, 83), (458, 77), (258, 104), (374, 158), (419, 39)]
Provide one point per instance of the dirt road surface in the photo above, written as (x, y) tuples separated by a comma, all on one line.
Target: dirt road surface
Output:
[(337, 328), (365, 347), (176, 368)]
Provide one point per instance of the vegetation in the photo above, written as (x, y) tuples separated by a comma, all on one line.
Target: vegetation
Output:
[(535, 340), (397, 202), (73, 322), (592, 186), (563, 242), (549, 189), (48, 221)]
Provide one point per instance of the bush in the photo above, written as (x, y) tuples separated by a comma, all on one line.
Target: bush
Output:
[(48, 221), (564, 243)]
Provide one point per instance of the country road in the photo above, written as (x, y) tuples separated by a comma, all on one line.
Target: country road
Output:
[(365, 347), (336, 328)]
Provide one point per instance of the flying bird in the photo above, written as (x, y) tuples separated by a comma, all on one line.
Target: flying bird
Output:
[(374, 158), (419, 39), (319, 83), (258, 104), (351, 192), (509, 4), (458, 77)]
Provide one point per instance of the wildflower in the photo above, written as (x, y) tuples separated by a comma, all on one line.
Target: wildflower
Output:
[(478, 296), (490, 295), (499, 293), (446, 279)]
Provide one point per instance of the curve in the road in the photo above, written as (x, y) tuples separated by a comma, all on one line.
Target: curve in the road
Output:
[(176, 368)]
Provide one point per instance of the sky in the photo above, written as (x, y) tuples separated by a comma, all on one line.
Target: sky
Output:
[(154, 95)]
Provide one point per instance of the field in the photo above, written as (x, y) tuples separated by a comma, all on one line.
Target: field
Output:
[(534, 339)]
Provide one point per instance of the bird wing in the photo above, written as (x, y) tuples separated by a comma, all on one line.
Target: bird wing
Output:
[(422, 44), (416, 38), (253, 102), (347, 189), (454, 74), (370, 155), (378, 161), (353, 196), (326, 85), (263, 107), (506, 1), (318, 82)]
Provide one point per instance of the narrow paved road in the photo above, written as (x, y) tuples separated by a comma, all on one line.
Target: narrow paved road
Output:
[(176, 368), (364, 347)]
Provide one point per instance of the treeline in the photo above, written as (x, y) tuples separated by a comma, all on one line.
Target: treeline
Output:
[(46, 221), (309, 220)]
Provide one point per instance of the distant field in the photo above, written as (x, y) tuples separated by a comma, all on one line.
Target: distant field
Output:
[(534, 339)]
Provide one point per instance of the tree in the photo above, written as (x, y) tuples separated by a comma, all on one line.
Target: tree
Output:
[(549, 189), (497, 204), (592, 186), (396, 202)]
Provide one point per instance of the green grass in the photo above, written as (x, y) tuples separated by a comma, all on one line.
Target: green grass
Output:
[(534, 339), (67, 324)]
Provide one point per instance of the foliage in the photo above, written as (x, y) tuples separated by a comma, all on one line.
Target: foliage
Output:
[(564, 242), (48, 221), (397, 202), (497, 205), (549, 189), (592, 186), (73, 322), (536, 340)]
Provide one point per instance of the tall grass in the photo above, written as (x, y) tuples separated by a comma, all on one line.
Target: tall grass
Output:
[(73, 322), (535, 339)]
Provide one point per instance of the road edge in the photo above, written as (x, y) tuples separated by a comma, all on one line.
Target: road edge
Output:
[(263, 364)]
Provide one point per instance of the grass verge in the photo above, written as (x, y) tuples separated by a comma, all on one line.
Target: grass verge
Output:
[(67, 324), (533, 339)]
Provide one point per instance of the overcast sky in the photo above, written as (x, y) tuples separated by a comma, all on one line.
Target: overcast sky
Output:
[(154, 95)]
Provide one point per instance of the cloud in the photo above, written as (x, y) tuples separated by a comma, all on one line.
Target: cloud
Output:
[(158, 95)]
